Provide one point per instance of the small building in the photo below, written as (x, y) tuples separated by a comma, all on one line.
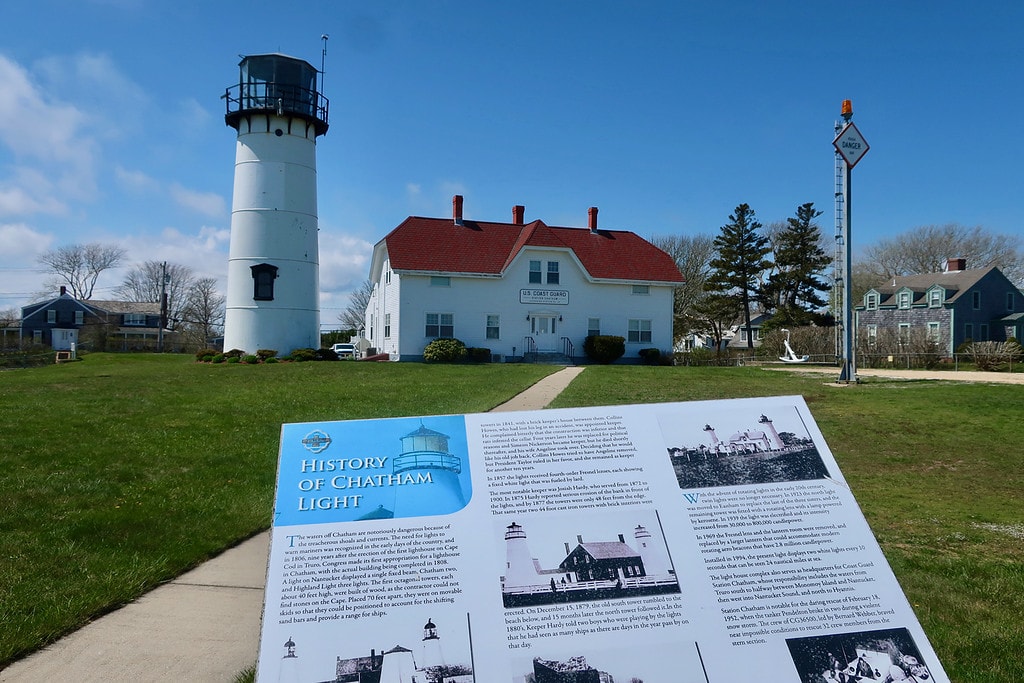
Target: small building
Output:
[(518, 289), (951, 307), (64, 323), (602, 561)]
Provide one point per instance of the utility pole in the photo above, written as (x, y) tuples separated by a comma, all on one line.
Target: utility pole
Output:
[(163, 308)]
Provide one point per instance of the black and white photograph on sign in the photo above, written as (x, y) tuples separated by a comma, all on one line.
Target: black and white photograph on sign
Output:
[(432, 649), (734, 448), (587, 556), (886, 656), (651, 663)]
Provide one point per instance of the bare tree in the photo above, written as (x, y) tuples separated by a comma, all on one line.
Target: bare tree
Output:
[(202, 314), (925, 249), (144, 282), (692, 254), (79, 266), (353, 317)]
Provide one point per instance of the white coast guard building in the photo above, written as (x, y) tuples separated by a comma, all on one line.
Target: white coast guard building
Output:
[(519, 289)]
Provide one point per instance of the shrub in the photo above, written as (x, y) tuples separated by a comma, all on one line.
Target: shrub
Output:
[(301, 355), (249, 359), (272, 359), (656, 357), (219, 358), (444, 351), (234, 353), (604, 348), (478, 355), (994, 356), (205, 355), (231, 359), (264, 354), (325, 354)]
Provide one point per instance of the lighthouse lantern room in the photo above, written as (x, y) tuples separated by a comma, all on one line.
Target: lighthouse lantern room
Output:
[(273, 262)]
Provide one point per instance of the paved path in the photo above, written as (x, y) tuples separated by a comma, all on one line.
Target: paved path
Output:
[(202, 626), (950, 375)]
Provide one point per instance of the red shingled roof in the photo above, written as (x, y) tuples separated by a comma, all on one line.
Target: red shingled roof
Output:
[(441, 245)]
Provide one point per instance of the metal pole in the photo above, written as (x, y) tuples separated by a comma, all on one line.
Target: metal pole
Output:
[(849, 371)]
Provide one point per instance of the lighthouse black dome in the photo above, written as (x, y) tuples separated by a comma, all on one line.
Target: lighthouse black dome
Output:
[(276, 84)]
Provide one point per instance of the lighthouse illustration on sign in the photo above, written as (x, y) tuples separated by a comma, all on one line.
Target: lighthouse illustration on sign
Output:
[(273, 262)]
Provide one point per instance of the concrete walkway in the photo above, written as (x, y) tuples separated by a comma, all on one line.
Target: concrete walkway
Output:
[(950, 375), (203, 625)]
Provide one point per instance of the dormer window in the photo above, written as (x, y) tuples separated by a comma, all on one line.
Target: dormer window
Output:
[(263, 277), (871, 301), (934, 298), (903, 300)]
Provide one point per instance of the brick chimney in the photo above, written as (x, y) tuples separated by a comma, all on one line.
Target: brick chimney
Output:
[(592, 218), (63, 290), (518, 213), (457, 209), (954, 265)]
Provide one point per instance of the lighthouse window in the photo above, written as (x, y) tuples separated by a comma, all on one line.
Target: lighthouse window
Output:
[(263, 277)]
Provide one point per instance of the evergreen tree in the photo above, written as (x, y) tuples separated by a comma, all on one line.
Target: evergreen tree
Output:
[(741, 259), (796, 287)]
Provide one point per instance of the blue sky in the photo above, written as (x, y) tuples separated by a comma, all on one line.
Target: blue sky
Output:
[(665, 115)]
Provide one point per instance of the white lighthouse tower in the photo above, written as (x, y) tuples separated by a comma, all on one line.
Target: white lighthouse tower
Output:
[(273, 262)]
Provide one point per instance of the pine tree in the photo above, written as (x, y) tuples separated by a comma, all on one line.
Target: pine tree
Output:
[(796, 287), (741, 259)]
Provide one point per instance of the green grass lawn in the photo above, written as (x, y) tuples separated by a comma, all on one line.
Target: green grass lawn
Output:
[(121, 472)]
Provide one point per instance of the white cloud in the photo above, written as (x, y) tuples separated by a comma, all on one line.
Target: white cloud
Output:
[(135, 180), (207, 203), (344, 263)]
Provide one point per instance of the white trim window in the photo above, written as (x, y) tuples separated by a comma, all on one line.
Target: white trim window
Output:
[(934, 298), (493, 327), (872, 335), (903, 300), (933, 332), (51, 316), (871, 301), (642, 290), (904, 333), (387, 325), (440, 325), (535, 276), (79, 317), (552, 273), (639, 331), (137, 319), (593, 327), (440, 281)]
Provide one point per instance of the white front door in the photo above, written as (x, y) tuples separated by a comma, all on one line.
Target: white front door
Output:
[(64, 340), (544, 329)]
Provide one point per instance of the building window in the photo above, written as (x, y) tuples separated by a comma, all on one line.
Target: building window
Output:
[(872, 335), (387, 325), (552, 272), (935, 298), (137, 319), (493, 327), (263, 277), (440, 281), (639, 331), (79, 317), (535, 272), (641, 289), (440, 325), (904, 335), (968, 332), (871, 301), (976, 300), (51, 316), (1010, 301), (387, 276), (903, 299), (933, 332), (983, 332), (593, 327)]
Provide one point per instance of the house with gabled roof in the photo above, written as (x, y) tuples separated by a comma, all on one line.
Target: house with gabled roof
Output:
[(951, 307), (60, 322), (518, 289)]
